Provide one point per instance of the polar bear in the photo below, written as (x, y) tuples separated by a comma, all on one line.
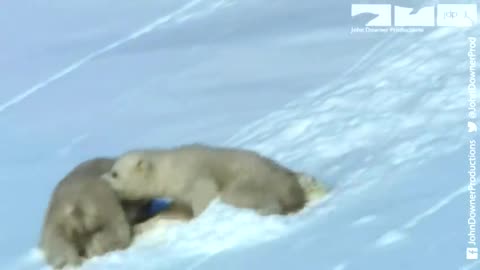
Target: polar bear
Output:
[(194, 175), (85, 218)]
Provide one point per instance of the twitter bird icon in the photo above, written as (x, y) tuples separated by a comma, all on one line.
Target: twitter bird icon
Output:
[(472, 127)]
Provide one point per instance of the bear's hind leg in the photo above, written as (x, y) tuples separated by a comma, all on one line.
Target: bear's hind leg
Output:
[(250, 195), (203, 193)]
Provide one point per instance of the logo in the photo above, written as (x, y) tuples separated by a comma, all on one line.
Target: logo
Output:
[(472, 127), (472, 254), (383, 12), (458, 15)]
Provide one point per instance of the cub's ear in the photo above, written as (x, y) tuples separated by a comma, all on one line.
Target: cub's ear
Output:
[(71, 210), (68, 209), (143, 165)]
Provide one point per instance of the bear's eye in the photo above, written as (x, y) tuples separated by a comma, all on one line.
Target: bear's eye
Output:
[(114, 174)]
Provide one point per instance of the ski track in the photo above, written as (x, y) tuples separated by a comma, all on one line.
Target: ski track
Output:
[(363, 221), (341, 266), (179, 15), (200, 261), (471, 266), (66, 149), (401, 233)]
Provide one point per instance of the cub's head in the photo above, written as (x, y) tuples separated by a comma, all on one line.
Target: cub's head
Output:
[(131, 175)]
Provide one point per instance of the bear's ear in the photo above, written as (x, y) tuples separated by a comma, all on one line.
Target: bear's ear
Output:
[(142, 165), (71, 210), (68, 209)]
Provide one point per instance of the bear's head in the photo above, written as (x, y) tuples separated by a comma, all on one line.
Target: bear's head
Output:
[(131, 177)]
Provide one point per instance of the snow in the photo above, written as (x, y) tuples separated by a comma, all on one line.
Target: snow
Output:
[(380, 118)]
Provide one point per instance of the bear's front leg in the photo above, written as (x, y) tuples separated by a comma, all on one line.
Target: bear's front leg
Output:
[(115, 236), (204, 191), (61, 252)]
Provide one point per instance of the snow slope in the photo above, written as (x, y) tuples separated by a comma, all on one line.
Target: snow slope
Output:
[(396, 162), (388, 132), (200, 69)]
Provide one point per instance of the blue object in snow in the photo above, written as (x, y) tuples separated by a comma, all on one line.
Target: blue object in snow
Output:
[(158, 205)]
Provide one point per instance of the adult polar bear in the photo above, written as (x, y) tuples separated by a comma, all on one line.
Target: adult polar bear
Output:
[(194, 175), (85, 217)]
